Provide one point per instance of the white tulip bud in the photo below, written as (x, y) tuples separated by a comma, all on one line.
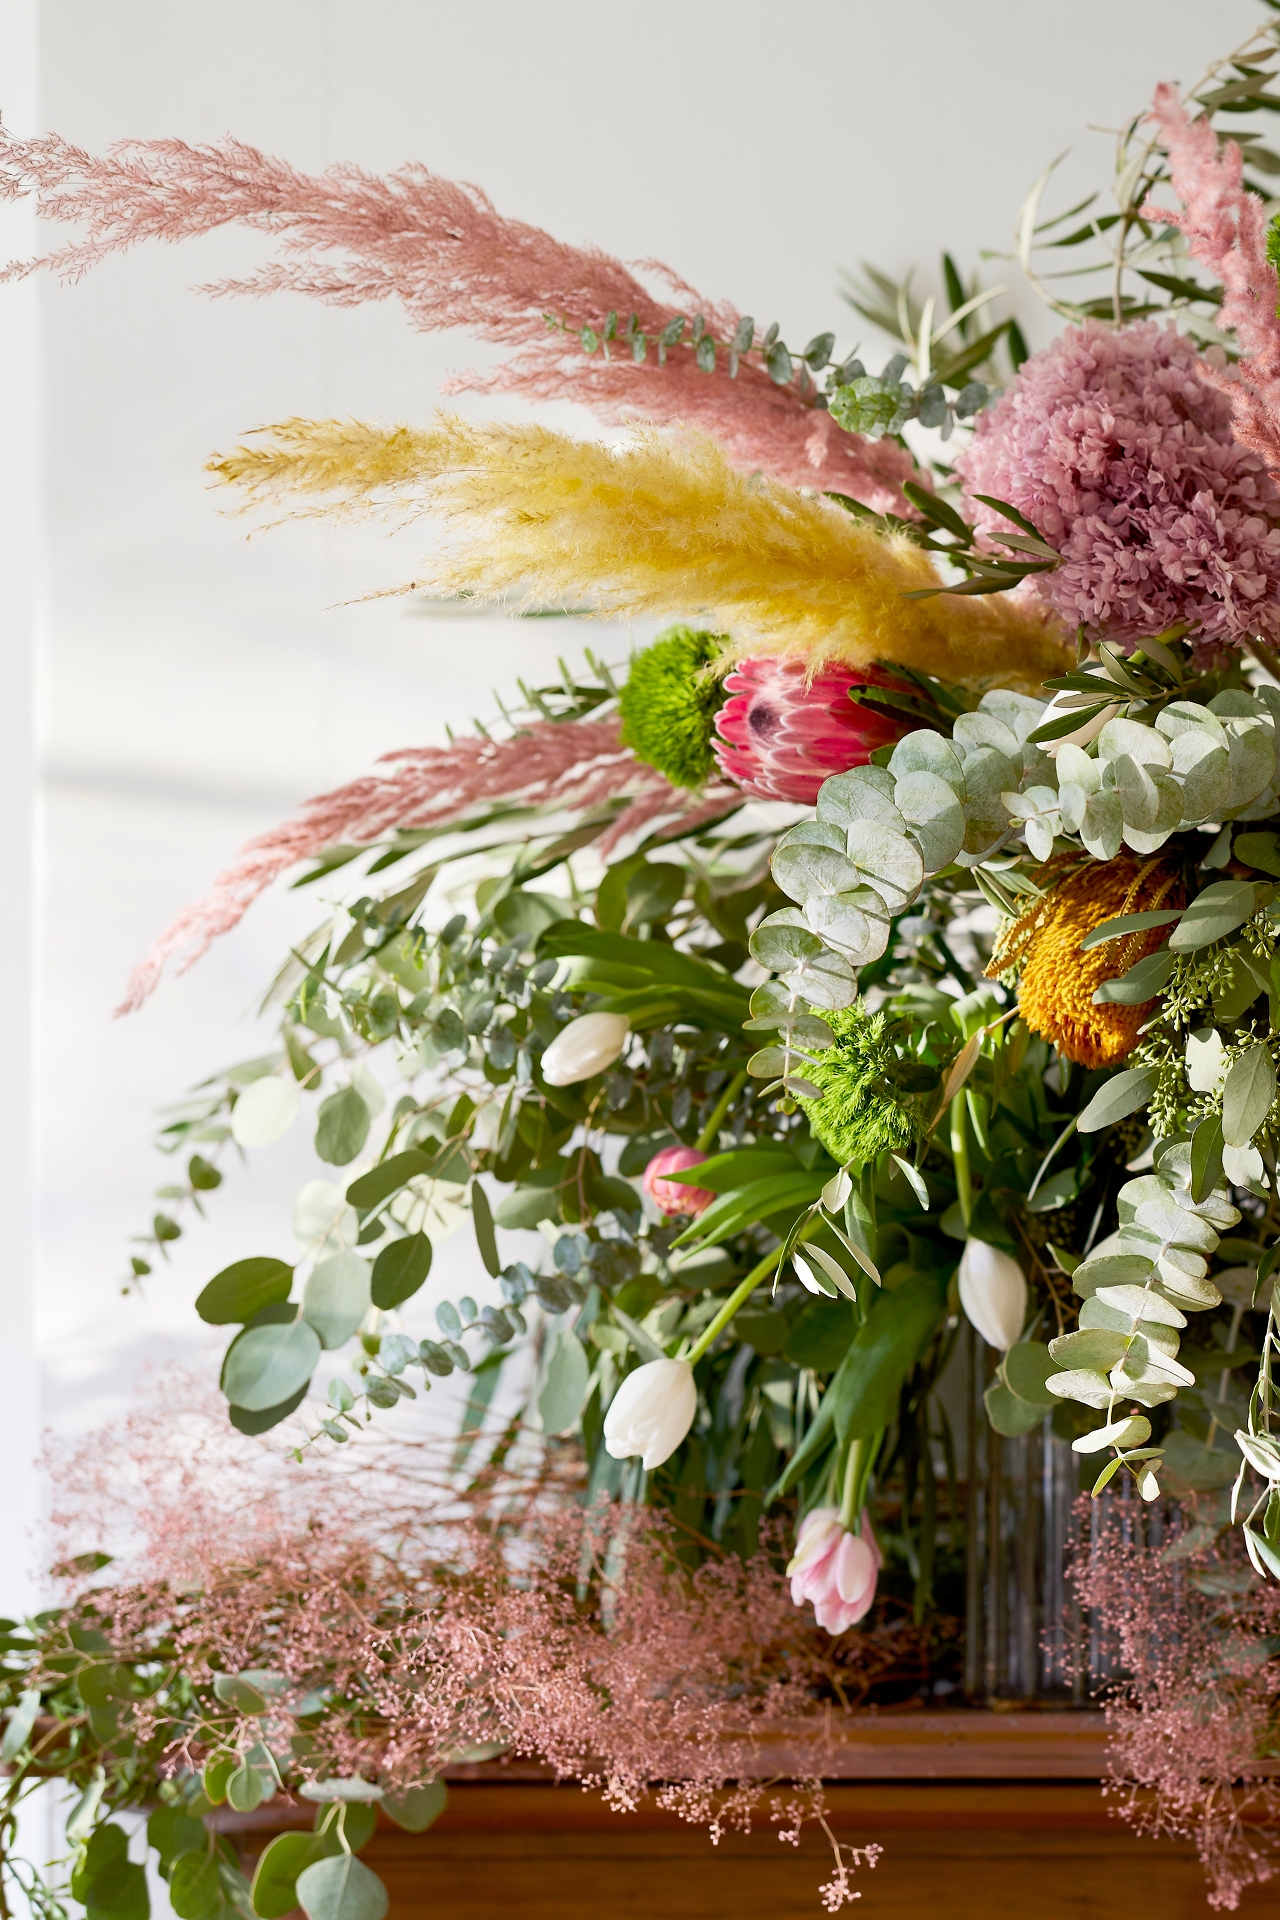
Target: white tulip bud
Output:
[(1082, 735), (993, 1293), (587, 1045), (652, 1411)]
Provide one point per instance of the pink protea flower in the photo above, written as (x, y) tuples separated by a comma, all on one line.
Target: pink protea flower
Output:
[(672, 1196), (781, 735), (1119, 449), (834, 1569)]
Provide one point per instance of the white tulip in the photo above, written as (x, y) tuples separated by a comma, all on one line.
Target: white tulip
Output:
[(1082, 735), (587, 1045), (993, 1293), (652, 1411), (264, 1112)]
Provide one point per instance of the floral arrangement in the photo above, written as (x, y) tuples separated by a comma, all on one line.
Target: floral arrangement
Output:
[(875, 975)]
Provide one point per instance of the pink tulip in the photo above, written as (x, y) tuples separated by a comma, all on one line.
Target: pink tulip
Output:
[(834, 1569), (672, 1196), (780, 739)]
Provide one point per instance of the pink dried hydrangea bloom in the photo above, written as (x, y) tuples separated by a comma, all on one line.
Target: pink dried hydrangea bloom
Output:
[(781, 735), (1117, 447)]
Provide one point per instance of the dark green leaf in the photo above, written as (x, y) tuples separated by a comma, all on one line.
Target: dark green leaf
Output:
[(342, 1127), (400, 1270), (387, 1178), (251, 1423), (275, 1891), (243, 1289)]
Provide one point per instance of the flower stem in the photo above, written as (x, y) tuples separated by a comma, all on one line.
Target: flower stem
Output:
[(960, 1157), (850, 1502), (706, 1139), (739, 1297)]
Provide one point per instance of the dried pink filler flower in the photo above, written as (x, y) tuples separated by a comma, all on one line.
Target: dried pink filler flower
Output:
[(571, 1636), (1226, 231), (1192, 1722), (442, 248), (572, 763), (1119, 449), (781, 736)]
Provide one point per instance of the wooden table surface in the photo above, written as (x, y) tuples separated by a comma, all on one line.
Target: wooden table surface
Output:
[(982, 1816)]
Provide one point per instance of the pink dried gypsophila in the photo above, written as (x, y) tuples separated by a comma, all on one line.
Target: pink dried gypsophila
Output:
[(1225, 227), (570, 763), (1190, 1723), (1117, 447), (441, 248)]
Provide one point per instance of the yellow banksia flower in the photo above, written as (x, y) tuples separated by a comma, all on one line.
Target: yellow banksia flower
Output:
[(1058, 982)]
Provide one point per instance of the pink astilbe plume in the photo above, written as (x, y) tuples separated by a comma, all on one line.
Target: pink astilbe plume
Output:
[(1226, 231), (440, 247), (570, 763), (1192, 1720)]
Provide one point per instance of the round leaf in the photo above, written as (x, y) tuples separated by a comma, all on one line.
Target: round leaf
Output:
[(935, 816), (805, 871), (337, 1296), (264, 1112), (267, 1365), (565, 1387), (1008, 1414), (1027, 1366), (243, 1289), (247, 1788), (341, 1888), (400, 1270), (194, 1892), (342, 1127), (885, 861), (275, 1889), (782, 939), (417, 1808)]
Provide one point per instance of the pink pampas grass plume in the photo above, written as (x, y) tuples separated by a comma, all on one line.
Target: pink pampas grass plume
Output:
[(442, 249), (1226, 231), (571, 763)]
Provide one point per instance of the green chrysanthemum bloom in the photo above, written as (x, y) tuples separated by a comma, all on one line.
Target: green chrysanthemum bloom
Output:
[(669, 705), (857, 1117)]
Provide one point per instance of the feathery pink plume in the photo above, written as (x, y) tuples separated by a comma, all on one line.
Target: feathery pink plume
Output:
[(441, 248), (567, 763), (1226, 231)]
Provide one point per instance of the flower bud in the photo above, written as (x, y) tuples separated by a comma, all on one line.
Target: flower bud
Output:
[(652, 1411), (672, 1196), (587, 1045), (834, 1569), (993, 1293)]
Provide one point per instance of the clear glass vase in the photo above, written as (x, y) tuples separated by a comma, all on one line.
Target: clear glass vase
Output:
[(1023, 1638)]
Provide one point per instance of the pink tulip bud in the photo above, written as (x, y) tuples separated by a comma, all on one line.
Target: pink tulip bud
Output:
[(672, 1196), (834, 1569)]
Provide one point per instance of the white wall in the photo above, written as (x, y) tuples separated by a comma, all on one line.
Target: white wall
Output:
[(194, 687)]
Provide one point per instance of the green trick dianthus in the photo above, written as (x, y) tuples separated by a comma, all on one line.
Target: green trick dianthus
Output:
[(857, 1118), (669, 705)]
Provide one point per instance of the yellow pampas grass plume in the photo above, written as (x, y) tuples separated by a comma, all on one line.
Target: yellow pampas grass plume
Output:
[(1058, 982), (661, 525)]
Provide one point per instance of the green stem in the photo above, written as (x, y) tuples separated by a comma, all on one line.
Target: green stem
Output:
[(960, 1156), (739, 1297), (850, 1503), (706, 1138)]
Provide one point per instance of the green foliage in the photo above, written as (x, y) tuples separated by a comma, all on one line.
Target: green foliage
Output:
[(857, 1117), (669, 704)]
